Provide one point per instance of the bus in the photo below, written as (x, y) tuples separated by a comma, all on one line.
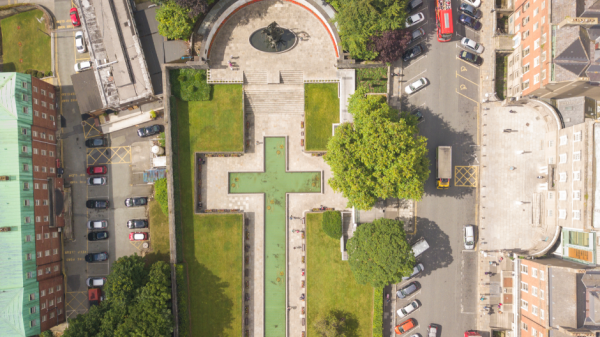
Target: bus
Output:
[(443, 18)]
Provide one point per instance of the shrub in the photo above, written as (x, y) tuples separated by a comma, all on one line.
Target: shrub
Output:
[(160, 192), (332, 224), (46, 333), (182, 301), (152, 114), (29, 71), (174, 23), (161, 139), (182, 78), (49, 73), (377, 312), (194, 88)]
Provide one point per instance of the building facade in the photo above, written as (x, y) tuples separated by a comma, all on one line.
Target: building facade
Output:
[(32, 194)]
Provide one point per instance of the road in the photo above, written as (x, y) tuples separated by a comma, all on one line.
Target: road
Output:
[(449, 105)]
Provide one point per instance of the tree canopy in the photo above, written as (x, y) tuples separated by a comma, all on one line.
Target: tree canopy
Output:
[(336, 323), (378, 156), (391, 44), (174, 21), (379, 253), (359, 20), (137, 303)]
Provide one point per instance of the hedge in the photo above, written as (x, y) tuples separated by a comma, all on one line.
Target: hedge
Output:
[(182, 301), (160, 191), (377, 312), (332, 224), (190, 85)]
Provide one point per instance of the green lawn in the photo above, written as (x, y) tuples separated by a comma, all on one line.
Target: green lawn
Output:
[(34, 50), (374, 79), (330, 283), (159, 234), (322, 108), (216, 125)]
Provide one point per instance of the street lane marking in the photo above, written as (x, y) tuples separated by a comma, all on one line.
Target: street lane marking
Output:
[(463, 87), (463, 68), (457, 75), (90, 130), (467, 97), (109, 155), (465, 176)]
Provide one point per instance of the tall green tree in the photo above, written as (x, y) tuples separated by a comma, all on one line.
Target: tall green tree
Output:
[(358, 20), (86, 325), (128, 274), (174, 21), (379, 253), (380, 155)]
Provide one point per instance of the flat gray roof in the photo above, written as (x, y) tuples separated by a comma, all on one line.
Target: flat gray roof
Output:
[(86, 91)]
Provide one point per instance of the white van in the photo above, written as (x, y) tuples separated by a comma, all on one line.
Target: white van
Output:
[(469, 237), (420, 247)]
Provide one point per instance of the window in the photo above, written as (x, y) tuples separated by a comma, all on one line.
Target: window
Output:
[(543, 60), (45, 203), (34, 133), (524, 287), (24, 85), (28, 256), (562, 177), (24, 97), (534, 310), (35, 151), (541, 313), (550, 213), (576, 175), (543, 4), (51, 137), (524, 305), (39, 255), (54, 252), (533, 331), (526, 68), (58, 311), (44, 317), (51, 95), (45, 218), (526, 51), (524, 269), (24, 131), (52, 108), (46, 235), (563, 140), (536, 11), (54, 235), (33, 323), (525, 21), (543, 38), (534, 291), (58, 300), (524, 326), (35, 101), (550, 195), (52, 170), (525, 35), (35, 89), (52, 312), (36, 186), (562, 195), (24, 149), (37, 202), (44, 116), (27, 237), (43, 306), (543, 20), (31, 297), (44, 105), (38, 218), (562, 213), (45, 186), (536, 62), (576, 215), (525, 84), (543, 74), (576, 195), (37, 113), (535, 26), (25, 110), (550, 143), (25, 186), (58, 287), (50, 291), (26, 202), (56, 268), (562, 158), (517, 27), (534, 272), (47, 253), (51, 153), (38, 236), (36, 168), (577, 156), (43, 135), (517, 15), (577, 136), (525, 7), (43, 152), (30, 274), (48, 272), (42, 293), (25, 167), (44, 169), (43, 92)]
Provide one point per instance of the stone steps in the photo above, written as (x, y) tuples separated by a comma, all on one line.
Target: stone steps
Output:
[(292, 76), (274, 99), (255, 77)]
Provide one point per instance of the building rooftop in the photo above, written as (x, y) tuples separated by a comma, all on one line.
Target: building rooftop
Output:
[(572, 110), (567, 298), (86, 90), (120, 67)]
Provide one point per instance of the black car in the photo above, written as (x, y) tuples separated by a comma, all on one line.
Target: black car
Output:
[(96, 142), (96, 257), (469, 57), (418, 114), (139, 223), (139, 201), (95, 203), (95, 236), (413, 4), (412, 53), (470, 10), (469, 22), (150, 130)]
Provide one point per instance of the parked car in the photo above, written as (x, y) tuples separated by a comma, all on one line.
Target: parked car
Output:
[(469, 57), (417, 269), (414, 19), (471, 45), (95, 296), (137, 201), (94, 181), (95, 236), (407, 310), (98, 169), (150, 130), (83, 65), (418, 114), (414, 4), (469, 237), (138, 236), (407, 325), (95, 281), (415, 86), (95, 203), (432, 330), (96, 142), (474, 3), (97, 224), (411, 288), (80, 42), (416, 34), (470, 10), (96, 257), (469, 22), (413, 52), (74, 17), (139, 223)]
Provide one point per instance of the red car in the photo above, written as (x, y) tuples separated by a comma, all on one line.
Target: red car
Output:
[(138, 236), (75, 17), (100, 169)]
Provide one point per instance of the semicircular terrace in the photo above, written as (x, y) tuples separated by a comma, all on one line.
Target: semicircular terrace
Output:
[(518, 178)]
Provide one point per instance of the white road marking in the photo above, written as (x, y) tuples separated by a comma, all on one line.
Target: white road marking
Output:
[(415, 61), (409, 81)]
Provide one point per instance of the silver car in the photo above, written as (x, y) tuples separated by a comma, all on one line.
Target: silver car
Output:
[(417, 269), (407, 310), (80, 42), (94, 181), (471, 45), (83, 65), (95, 281), (97, 224)]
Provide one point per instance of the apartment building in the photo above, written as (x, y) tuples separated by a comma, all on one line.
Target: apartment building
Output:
[(528, 65), (534, 299), (32, 193)]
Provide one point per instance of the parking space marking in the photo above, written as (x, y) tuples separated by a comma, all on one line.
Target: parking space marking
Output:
[(474, 66), (137, 244), (90, 130), (419, 74), (457, 75), (76, 303), (466, 176), (467, 97), (109, 155), (415, 61)]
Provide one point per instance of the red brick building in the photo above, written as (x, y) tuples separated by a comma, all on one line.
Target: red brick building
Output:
[(48, 203), (534, 299)]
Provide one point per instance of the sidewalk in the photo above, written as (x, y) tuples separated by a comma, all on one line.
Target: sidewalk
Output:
[(500, 304), (487, 69)]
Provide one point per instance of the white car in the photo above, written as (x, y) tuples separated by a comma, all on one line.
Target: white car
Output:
[(83, 65), (414, 19), (415, 86), (474, 3), (471, 45), (469, 236), (80, 42), (95, 281), (407, 310)]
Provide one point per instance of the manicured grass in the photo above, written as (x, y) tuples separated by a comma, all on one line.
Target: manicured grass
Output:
[(374, 79), (35, 45), (216, 125), (159, 234), (330, 283), (322, 109)]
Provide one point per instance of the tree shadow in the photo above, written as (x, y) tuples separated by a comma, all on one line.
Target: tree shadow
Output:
[(439, 254), (153, 257), (8, 67)]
